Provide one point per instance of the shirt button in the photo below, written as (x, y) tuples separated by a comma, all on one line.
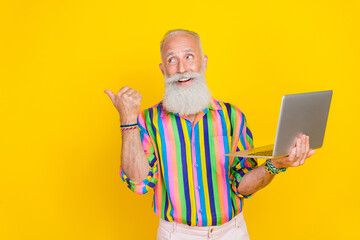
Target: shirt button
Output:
[(200, 210), (196, 165), (198, 187)]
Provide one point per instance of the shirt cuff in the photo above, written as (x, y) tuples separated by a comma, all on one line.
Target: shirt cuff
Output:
[(140, 187)]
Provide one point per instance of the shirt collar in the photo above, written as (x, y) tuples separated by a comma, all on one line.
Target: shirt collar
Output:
[(213, 105)]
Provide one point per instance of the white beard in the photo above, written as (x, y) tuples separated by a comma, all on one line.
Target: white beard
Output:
[(189, 99)]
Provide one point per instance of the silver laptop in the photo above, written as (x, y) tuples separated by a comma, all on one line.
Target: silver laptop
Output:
[(304, 113)]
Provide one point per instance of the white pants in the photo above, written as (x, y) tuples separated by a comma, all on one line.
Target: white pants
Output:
[(235, 229)]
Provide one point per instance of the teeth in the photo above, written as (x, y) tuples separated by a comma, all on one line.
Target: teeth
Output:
[(184, 79)]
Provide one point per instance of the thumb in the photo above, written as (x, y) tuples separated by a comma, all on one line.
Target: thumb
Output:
[(111, 95)]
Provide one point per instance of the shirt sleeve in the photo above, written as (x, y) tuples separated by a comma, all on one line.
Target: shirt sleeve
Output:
[(150, 153), (241, 166)]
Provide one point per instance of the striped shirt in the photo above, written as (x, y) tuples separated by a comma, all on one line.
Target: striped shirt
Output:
[(193, 182)]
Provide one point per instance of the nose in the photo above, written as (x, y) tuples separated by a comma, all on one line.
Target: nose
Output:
[(181, 67)]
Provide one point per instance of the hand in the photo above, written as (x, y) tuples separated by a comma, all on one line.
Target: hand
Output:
[(127, 101), (298, 154)]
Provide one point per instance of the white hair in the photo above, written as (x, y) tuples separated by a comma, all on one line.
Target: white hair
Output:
[(186, 100), (179, 31)]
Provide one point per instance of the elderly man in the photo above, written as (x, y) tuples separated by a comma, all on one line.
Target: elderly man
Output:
[(177, 147)]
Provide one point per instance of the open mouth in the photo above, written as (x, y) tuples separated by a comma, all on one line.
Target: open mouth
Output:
[(184, 80)]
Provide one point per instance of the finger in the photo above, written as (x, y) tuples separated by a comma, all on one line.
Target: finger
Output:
[(129, 92), (307, 144), (134, 94), (138, 97), (138, 94), (311, 152), (303, 149), (298, 147), (303, 145), (292, 154), (121, 91), (111, 95), (307, 149)]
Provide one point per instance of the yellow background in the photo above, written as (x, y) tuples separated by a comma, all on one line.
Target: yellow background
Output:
[(60, 138)]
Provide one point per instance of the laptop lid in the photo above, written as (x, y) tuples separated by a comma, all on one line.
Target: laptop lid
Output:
[(304, 113)]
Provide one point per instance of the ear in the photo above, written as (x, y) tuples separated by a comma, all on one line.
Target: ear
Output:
[(161, 68), (205, 62)]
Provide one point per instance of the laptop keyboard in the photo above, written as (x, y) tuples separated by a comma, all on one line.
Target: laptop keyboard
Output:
[(264, 153)]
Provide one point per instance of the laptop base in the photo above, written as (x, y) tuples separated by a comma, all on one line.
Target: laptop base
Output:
[(259, 152)]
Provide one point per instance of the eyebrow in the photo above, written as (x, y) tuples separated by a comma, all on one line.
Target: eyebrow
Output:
[(186, 50), (169, 54), (189, 50)]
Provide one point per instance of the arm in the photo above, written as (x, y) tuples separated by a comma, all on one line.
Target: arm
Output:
[(133, 160), (254, 181), (259, 177)]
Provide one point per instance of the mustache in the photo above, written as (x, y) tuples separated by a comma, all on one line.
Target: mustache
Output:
[(177, 76)]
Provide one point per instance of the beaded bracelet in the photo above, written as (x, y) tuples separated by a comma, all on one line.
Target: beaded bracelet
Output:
[(128, 127), (273, 170)]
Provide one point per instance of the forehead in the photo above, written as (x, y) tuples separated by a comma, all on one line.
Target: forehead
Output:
[(180, 42)]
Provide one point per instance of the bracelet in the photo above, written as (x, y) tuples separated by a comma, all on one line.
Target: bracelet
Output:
[(273, 170), (128, 127)]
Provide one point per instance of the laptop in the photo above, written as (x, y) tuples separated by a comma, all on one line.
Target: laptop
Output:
[(304, 113)]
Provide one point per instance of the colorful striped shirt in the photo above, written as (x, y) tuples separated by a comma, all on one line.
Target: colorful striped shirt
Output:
[(193, 182)]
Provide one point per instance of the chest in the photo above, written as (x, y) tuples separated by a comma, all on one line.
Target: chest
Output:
[(207, 136)]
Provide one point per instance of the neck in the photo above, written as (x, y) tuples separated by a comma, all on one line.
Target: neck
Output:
[(191, 117)]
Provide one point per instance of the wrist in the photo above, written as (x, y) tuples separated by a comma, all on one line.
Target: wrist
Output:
[(277, 163), (128, 127), (270, 168), (129, 120)]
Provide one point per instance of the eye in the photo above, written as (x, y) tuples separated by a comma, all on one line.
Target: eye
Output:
[(190, 57), (171, 60)]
